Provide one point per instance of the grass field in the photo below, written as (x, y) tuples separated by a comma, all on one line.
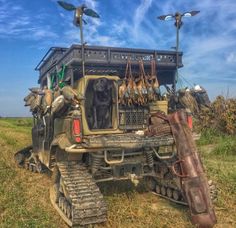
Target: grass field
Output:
[(24, 196)]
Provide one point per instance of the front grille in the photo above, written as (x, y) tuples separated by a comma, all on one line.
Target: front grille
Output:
[(133, 118)]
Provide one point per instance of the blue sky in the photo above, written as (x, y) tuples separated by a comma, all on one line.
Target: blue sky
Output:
[(29, 28)]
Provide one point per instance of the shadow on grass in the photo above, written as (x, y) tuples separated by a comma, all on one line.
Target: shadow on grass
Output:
[(110, 188)]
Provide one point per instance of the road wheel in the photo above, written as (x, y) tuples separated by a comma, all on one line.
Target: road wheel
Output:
[(169, 192), (176, 195), (158, 189), (163, 190)]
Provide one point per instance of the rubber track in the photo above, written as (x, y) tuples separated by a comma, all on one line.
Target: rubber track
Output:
[(88, 205), (166, 185)]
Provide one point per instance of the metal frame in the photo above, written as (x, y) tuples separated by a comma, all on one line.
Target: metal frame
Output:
[(105, 60)]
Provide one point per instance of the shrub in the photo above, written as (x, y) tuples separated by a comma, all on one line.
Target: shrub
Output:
[(221, 116)]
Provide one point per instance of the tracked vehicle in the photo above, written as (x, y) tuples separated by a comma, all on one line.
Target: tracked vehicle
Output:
[(88, 130)]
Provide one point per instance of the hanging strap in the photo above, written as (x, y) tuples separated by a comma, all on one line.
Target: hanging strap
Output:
[(128, 71), (60, 76), (53, 79), (153, 68), (154, 72), (141, 69)]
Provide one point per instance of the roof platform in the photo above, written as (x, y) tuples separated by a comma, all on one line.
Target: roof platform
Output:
[(100, 60)]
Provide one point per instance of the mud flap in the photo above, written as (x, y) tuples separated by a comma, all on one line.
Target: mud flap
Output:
[(193, 179)]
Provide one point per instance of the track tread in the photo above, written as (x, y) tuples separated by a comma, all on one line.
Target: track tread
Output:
[(88, 205)]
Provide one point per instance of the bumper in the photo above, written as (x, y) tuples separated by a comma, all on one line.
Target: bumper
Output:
[(121, 141)]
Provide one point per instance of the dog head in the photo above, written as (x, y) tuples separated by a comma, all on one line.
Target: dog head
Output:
[(102, 84)]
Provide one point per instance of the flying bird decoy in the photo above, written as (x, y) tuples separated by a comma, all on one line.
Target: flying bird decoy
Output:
[(79, 11), (178, 17)]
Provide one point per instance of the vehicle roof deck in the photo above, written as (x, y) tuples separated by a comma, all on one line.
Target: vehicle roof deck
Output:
[(107, 60)]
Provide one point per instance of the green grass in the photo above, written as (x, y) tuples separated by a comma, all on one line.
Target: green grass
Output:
[(209, 136), (24, 196), (19, 206), (222, 169), (220, 161), (226, 146)]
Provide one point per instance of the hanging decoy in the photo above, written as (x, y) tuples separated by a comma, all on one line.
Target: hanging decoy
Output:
[(122, 92), (132, 92), (141, 86)]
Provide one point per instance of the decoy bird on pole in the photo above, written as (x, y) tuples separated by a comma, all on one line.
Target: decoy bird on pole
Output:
[(178, 24), (178, 17), (78, 21), (79, 11)]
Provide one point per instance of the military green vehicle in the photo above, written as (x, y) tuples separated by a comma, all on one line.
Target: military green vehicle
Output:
[(99, 116)]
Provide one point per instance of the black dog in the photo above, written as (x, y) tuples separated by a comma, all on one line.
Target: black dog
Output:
[(102, 103)]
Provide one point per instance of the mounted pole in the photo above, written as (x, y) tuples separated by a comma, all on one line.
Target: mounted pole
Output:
[(177, 60), (82, 43), (78, 22), (178, 23)]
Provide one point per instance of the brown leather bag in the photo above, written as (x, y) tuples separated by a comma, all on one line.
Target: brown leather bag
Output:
[(194, 182)]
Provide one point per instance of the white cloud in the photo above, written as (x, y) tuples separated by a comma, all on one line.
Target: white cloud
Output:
[(120, 27), (231, 58), (91, 4), (16, 22), (62, 15), (140, 13), (41, 34)]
